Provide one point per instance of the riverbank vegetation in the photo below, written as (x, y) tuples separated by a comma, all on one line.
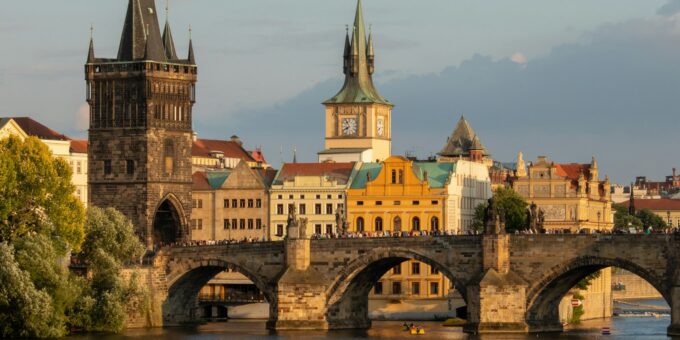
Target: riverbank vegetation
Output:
[(42, 226)]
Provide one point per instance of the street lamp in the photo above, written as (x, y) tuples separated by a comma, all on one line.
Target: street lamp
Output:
[(598, 220)]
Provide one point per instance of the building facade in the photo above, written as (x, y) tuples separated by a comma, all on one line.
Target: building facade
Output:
[(358, 119), (231, 204), (666, 208), (570, 195), (315, 190), (140, 135), (468, 187)]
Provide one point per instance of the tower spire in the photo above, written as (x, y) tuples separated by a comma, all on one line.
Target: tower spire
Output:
[(191, 58), (370, 53), (346, 55), (168, 41), (90, 52), (359, 67), (141, 24)]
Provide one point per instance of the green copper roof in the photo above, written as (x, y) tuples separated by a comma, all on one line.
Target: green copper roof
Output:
[(437, 173), (358, 86), (360, 176), (217, 178)]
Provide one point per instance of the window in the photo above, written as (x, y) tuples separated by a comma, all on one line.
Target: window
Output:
[(258, 203), (377, 288), (226, 203), (397, 224), (435, 202), (251, 203), (234, 224), (329, 196), (329, 209), (340, 207), (396, 288), (397, 202), (434, 271), (250, 224), (197, 224), (329, 229), (378, 202), (360, 202), (317, 209), (401, 176), (378, 224), (303, 209), (360, 224), (258, 224), (279, 209), (434, 223), (415, 224), (242, 223), (234, 203), (434, 288), (129, 166), (290, 197), (317, 229), (302, 196), (416, 202), (415, 288), (226, 224), (415, 268), (242, 203), (279, 230), (197, 204), (107, 167), (169, 157), (318, 197), (280, 196), (394, 176), (79, 168), (397, 269)]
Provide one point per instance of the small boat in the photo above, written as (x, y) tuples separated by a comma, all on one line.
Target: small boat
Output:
[(417, 331), (606, 331)]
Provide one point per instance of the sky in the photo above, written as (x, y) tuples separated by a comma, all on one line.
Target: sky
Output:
[(565, 79)]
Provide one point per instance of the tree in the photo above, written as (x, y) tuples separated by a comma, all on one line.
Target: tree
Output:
[(36, 195), (623, 219), (651, 220), (514, 207)]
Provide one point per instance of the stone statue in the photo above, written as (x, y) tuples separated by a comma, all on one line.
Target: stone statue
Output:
[(541, 219), (340, 221), (494, 219), (302, 228), (292, 225), (533, 217)]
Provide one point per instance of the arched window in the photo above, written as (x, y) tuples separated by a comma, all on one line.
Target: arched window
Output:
[(401, 176), (394, 176), (434, 223), (169, 157), (397, 224), (360, 224), (378, 224), (415, 224)]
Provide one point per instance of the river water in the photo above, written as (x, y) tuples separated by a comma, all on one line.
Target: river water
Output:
[(623, 327)]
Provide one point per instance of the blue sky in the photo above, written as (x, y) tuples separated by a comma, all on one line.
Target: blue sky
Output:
[(567, 79)]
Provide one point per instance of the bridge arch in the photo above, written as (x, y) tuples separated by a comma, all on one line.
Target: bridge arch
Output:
[(347, 303), (169, 220), (544, 295), (184, 287)]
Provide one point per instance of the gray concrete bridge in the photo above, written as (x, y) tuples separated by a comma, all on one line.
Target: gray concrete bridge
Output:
[(511, 283)]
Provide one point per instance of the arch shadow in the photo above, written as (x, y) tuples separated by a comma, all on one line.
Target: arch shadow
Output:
[(181, 299), (347, 303), (544, 297), (169, 220)]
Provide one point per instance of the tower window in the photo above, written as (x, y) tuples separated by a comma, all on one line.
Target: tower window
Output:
[(394, 176), (130, 167), (107, 167)]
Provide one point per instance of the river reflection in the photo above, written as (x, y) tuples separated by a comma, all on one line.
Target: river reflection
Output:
[(622, 328)]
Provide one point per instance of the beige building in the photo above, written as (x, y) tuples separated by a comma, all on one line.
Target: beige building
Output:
[(570, 195), (72, 151), (666, 208), (316, 190), (223, 154), (231, 204)]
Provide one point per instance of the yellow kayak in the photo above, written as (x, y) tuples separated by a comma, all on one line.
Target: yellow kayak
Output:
[(417, 331)]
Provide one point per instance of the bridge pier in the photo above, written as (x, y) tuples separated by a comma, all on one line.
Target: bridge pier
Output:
[(497, 301), (674, 328)]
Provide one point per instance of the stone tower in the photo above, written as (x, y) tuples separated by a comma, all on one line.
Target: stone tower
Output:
[(140, 135), (358, 119)]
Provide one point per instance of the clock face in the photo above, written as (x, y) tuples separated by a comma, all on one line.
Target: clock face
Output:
[(349, 126), (381, 127)]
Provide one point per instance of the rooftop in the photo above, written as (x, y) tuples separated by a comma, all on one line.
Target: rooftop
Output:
[(338, 171)]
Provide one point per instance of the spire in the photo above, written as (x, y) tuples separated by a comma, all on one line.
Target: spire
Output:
[(168, 42), (358, 86), (141, 37), (594, 173), (191, 57), (346, 55), (370, 53), (631, 201), (462, 140), (294, 155), (90, 53)]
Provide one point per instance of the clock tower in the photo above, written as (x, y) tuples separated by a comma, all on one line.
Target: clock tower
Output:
[(358, 118)]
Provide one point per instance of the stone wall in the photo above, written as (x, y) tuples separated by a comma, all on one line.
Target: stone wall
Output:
[(635, 287)]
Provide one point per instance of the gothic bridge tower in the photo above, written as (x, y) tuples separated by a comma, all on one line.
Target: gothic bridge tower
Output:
[(140, 134), (358, 118)]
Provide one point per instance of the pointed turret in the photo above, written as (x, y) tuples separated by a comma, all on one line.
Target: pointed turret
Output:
[(358, 86), (168, 42), (462, 141), (370, 53), (140, 29), (90, 53), (191, 57), (347, 54), (594, 175)]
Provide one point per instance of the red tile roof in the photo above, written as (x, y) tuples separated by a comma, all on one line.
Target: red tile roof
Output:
[(573, 170), (35, 129), (258, 156), (231, 149), (659, 204), (339, 171), (200, 181), (79, 146)]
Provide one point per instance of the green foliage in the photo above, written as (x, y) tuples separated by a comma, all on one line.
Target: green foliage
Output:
[(650, 219), (36, 195), (586, 281), (514, 206), (643, 218)]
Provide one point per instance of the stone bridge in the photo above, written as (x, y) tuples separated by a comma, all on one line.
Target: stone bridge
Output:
[(511, 283)]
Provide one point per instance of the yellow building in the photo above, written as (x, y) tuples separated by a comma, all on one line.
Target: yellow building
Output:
[(571, 196), (358, 118), (666, 208), (317, 190)]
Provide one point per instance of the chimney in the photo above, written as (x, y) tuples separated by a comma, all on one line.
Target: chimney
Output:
[(237, 140), (194, 136)]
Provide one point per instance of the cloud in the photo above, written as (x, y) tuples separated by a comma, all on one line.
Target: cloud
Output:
[(670, 8), (519, 58), (620, 81), (82, 117)]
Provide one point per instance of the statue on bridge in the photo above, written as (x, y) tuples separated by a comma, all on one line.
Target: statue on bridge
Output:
[(535, 217), (494, 218), (296, 228), (340, 221)]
